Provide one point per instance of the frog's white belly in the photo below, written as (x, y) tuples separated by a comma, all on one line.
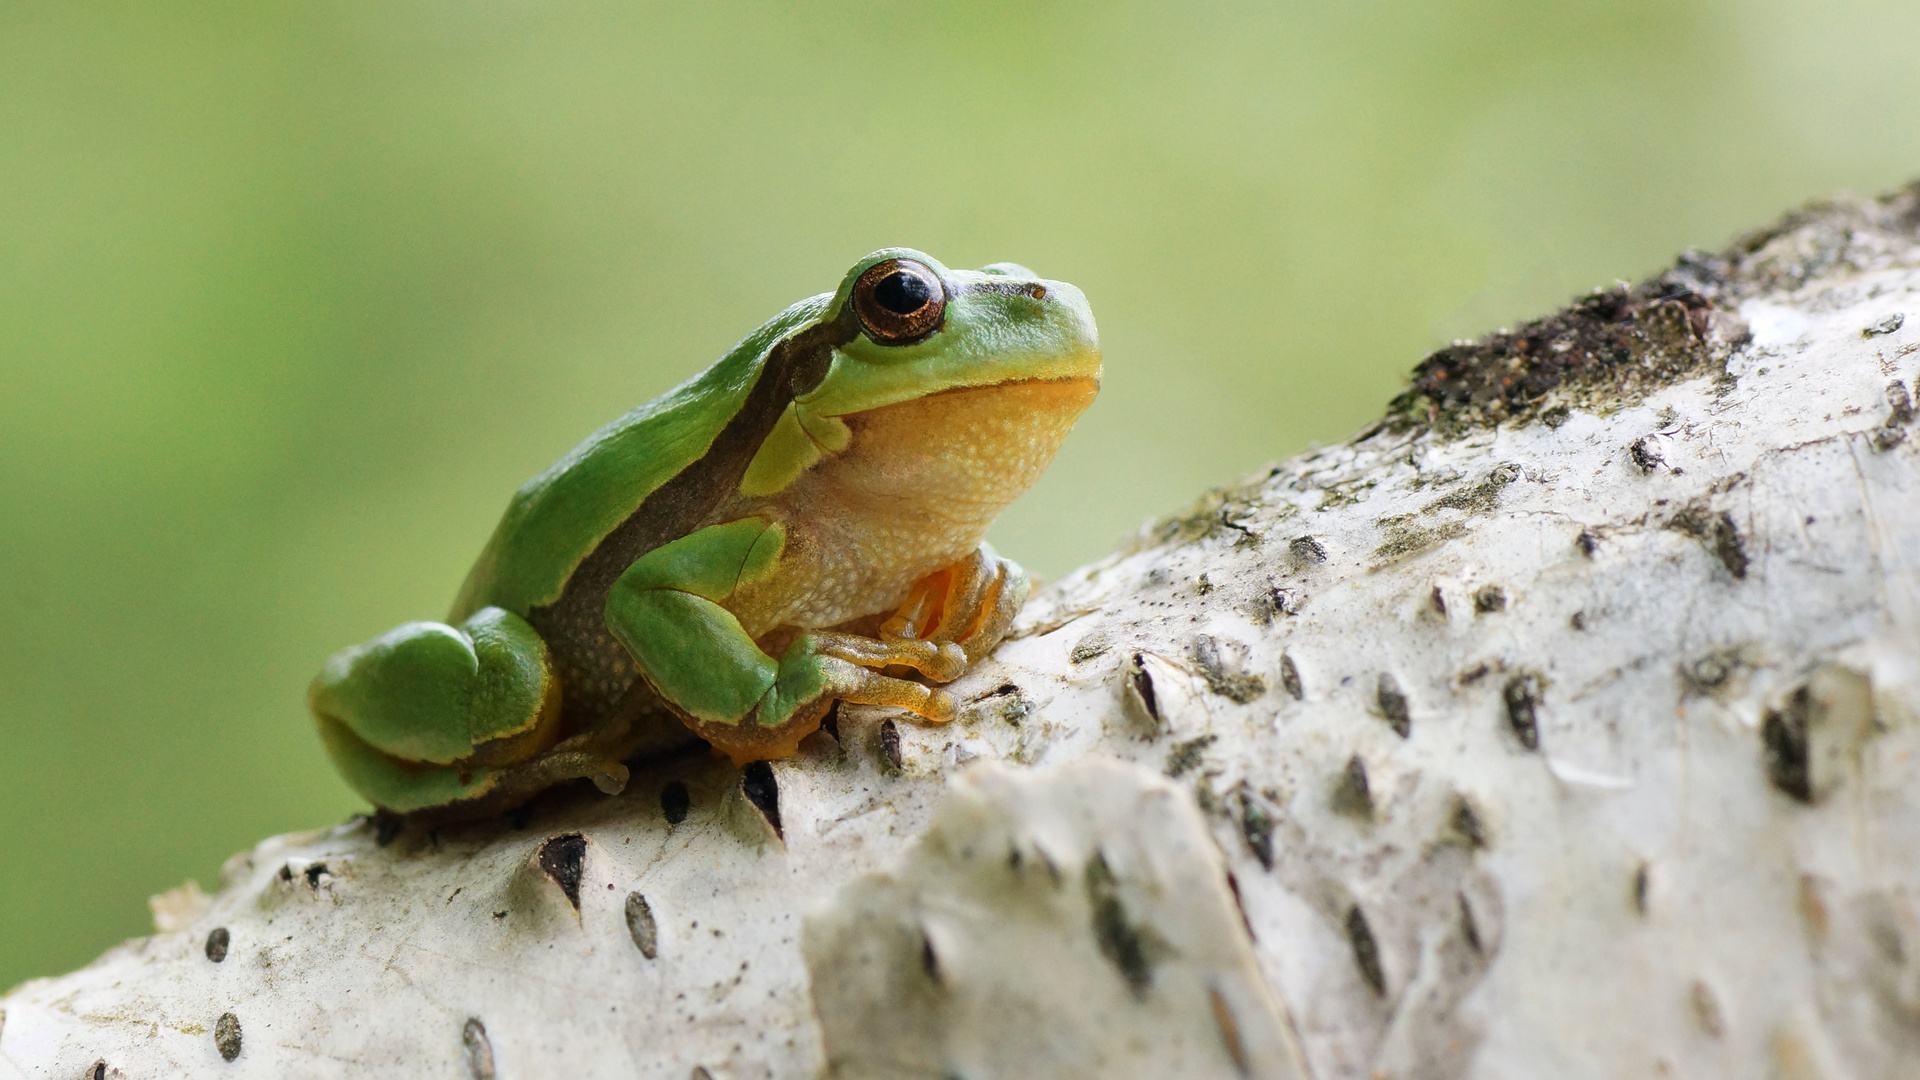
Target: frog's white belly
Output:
[(912, 494)]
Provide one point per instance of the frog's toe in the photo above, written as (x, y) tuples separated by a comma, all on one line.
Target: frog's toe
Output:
[(941, 661), (987, 594), (859, 686), (939, 708)]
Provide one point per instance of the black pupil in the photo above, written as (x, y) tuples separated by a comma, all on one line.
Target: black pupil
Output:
[(902, 293)]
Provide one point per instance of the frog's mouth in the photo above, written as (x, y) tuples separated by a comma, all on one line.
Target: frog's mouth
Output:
[(996, 414)]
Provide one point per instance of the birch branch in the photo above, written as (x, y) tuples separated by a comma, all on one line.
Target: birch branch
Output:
[(1561, 723)]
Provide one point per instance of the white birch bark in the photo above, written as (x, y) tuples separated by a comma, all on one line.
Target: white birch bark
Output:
[(1558, 730)]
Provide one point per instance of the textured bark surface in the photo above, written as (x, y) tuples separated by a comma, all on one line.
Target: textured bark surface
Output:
[(1565, 723)]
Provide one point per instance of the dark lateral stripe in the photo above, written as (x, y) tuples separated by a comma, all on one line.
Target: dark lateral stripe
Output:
[(573, 625)]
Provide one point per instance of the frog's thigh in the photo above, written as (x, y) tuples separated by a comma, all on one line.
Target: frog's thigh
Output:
[(429, 693), (666, 610), (394, 785)]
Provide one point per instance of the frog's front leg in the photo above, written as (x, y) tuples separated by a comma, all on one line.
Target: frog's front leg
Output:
[(429, 714), (668, 609), (966, 608)]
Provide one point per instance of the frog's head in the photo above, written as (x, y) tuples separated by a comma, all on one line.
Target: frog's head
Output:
[(923, 329), (950, 384)]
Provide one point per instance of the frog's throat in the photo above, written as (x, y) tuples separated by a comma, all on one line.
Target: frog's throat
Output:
[(957, 457), (990, 413), (915, 491)]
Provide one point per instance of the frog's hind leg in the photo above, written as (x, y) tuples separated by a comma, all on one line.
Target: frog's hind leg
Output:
[(437, 793), (949, 621), (810, 678), (668, 609), (427, 711)]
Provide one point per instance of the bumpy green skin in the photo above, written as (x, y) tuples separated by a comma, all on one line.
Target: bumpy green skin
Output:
[(666, 610), (391, 784), (430, 694), (433, 715), (558, 517)]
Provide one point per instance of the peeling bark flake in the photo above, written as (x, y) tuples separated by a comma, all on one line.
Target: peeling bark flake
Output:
[(1892, 431), (1131, 948), (1393, 705), (563, 858), (1646, 455), (1089, 647), (1366, 951), (1466, 823), (1887, 325), (641, 927), (1717, 532), (1257, 826), (1469, 926), (1185, 755), (1351, 794), (1284, 601), (675, 802), (1229, 1029), (1228, 679), (1140, 684), (1899, 404), (1290, 678), (758, 785), (1784, 731), (890, 745), (226, 1036), (929, 960), (1522, 697), (479, 1051), (1706, 1009)]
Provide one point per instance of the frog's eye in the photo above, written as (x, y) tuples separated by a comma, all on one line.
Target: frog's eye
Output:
[(899, 301)]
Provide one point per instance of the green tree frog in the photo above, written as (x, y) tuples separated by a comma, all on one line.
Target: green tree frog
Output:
[(796, 525)]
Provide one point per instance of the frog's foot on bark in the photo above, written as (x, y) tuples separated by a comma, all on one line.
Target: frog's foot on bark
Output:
[(970, 604), (821, 668)]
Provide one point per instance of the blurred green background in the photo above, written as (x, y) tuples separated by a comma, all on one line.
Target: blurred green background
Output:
[(292, 296)]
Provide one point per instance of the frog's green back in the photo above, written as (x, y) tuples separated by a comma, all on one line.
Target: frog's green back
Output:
[(557, 518)]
